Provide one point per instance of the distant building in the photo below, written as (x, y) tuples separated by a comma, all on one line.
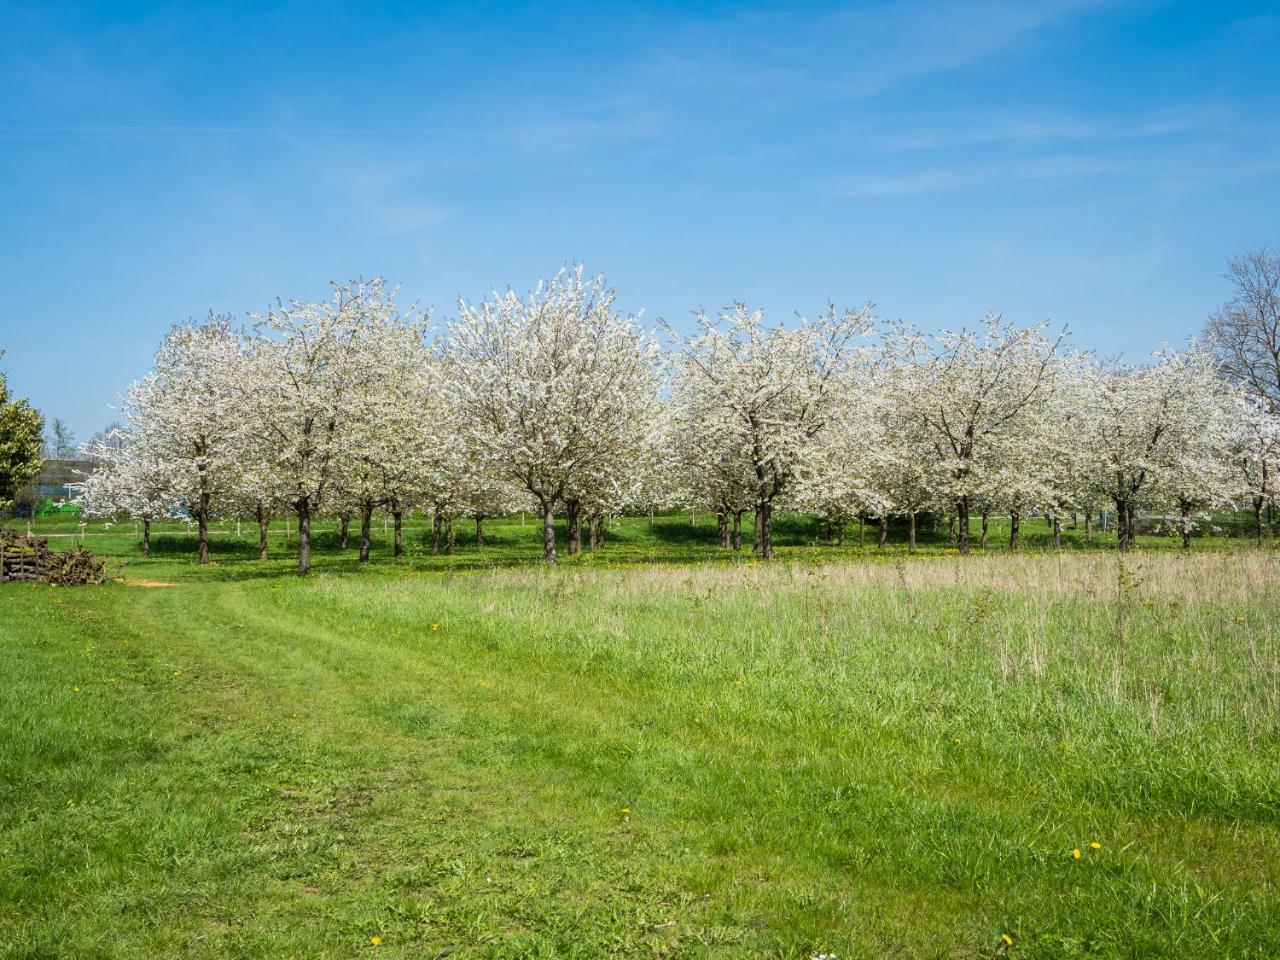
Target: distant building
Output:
[(51, 486)]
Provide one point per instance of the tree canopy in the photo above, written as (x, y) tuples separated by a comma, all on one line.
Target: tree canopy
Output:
[(21, 429)]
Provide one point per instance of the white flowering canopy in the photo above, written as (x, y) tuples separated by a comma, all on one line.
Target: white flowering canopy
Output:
[(558, 400)]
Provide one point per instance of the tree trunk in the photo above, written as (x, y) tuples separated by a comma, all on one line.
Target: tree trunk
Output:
[(397, 516), (548, 531), (862, 531), (1257, 519), (757, 538), (303, 507), (962, 523), (766, 530), (366, 522), (344, 532), (1122, 525), (722, 527), (1057, 532), (1088, 526), (986, 518), (263, 522), (911, 530), (448, 535), (573, 523), (736, 537), (202, 554), (595, 527), (1015, 527), (1185, 515), (146, 538), (435, 533), (480, 530), (882, 534)]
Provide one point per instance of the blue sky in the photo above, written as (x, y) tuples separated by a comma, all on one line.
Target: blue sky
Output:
[(1087, 162)]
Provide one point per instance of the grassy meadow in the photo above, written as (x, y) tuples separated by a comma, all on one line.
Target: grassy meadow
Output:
[(659, 750)]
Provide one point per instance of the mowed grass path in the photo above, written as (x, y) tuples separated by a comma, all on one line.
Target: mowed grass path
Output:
[(872, 759)]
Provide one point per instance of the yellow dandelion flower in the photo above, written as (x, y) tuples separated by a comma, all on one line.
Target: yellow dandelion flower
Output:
[(1095, 845), (375, 940), (626, 811), (1075, 854), (1006, 940), (75, 689), (435, 626), (177, 673)]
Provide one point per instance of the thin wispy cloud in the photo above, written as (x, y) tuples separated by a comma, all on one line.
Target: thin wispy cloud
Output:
[(889, 184), (553, 134), (164, 132), (1031, 129), (389, 197), (846, 54)]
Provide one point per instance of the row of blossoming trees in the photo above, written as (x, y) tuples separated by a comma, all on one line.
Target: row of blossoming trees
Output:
[(557, 401)]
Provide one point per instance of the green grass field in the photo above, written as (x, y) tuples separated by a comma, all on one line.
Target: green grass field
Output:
[(656, 751)]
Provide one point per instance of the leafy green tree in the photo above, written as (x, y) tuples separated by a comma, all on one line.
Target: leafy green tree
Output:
[(20, 431)]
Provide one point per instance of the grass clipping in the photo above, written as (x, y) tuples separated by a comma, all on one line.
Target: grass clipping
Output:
[(29, 558)]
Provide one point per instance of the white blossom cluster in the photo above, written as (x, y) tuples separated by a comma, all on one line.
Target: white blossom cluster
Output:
[(558, 402)]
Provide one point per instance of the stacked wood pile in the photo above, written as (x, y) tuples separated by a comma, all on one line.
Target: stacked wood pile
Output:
[(29, 558)]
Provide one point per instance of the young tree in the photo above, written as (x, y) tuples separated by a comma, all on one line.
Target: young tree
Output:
[(185, 414), (848, 467), (1139, 425), (624, 472), (259, 491), (770, 391), (20, 431), (707, 465), (1197, 474), (1252, 450), (299, 387), (131, 479), (452, 455), (976, 393), (383, 419), (554, 383), (901, 465)]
